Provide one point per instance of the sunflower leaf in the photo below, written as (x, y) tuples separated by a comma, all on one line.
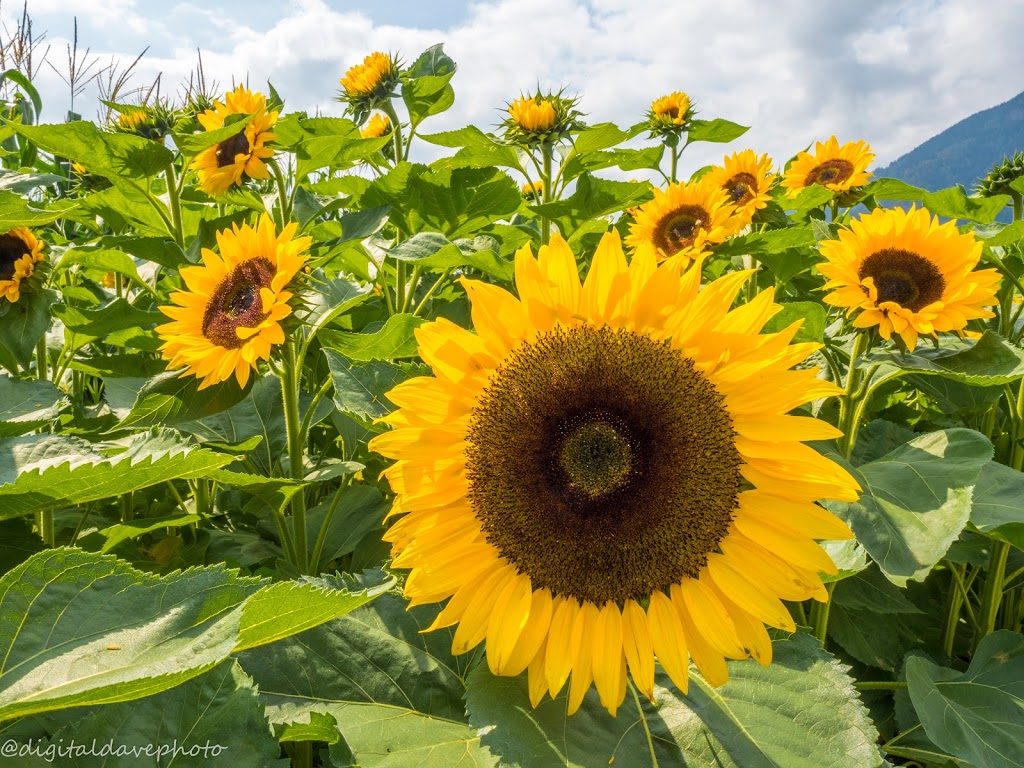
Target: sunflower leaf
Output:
[(997, 510), (80, 628), (26, 404), (16, 211), (991, 361), (396, 692), (113, 155), (975, 715), (955, 204), (173, 398), (25, 323), (801, 711), (718, 130), (394, 339), (214, 717), (916, 500)]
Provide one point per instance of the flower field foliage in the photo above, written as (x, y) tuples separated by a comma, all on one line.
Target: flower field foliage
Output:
[(333, 457)]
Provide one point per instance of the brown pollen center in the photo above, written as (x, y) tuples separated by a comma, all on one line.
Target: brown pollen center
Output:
[(741, 187), (236, 303), (903, 277), (229, 148), (11, 250), (678, 229), (834, 171)]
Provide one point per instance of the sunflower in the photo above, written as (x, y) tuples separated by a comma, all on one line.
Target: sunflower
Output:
[(833, 167), (378, 126), (906, 272), (20, 252), (223, 165), (746, 179), (540, 118), (670, 112), (681, 220), (605, 473), (533, 190), (230, 316), (372, 82)]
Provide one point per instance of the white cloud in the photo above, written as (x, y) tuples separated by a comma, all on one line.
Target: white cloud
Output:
[(796, 70)]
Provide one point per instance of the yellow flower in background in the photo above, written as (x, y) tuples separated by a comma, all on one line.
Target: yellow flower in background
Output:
[(605, 474), (533, 190), (378, 126), (533, 114), (908, 274), (372, 80), (80, 169), (20, 252), (838, 168), (128, 122), (229, 317), (747, 180), (681, 220), (673, 110), (223, 165)]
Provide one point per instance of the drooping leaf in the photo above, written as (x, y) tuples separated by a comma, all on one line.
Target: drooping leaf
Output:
[(998, 508), (172, 398), (394, 339), (916, 500), (801, 711), (80, 628), (207, 720), (25, 323), (975, 715), (717, 130), (990, 361), (26, 405)]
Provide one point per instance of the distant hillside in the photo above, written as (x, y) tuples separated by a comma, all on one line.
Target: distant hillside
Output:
[(965, 152)]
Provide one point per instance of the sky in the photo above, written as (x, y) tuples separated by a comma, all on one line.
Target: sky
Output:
[(891, 73)]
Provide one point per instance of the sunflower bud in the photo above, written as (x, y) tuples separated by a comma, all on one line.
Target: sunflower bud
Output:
[(998, 180), (541, 119)]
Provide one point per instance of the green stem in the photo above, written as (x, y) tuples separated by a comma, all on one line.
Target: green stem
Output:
[(400, 286), (175, 201), (546, 192), (308, 418), (880, 685), (290, 376), (41, 359), (411, 288), (819, 614), (202, 497), (389, 109), (643, 721), (430, 292), (283, 198), (177, 497), (674, 166), (850, 414), (992, 595), (1018, 205), (44, 523), (964, 590), (321, 536), (302, 754), (1014, 576)]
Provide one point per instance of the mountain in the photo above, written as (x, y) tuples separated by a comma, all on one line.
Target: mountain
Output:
[(965, 152)]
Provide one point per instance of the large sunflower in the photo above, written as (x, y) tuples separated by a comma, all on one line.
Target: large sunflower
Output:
[(838, 168), (747, 180), (20, 252), (222, 166), (605, 473), (681, 220), (230, 316), (905, 272)]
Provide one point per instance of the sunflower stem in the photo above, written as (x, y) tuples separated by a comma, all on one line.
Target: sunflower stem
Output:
[(992, 595), (400, 286), (308, 418), (546, 191), (321, 537), (1018, 205), (44, 524), (954, 602), (175, 205), (850, 413), (819, 614), (430, 292), (414, 281), (41, 359), (643, 722), (283, 198), (290, 377), (674, 167), (389, 109)]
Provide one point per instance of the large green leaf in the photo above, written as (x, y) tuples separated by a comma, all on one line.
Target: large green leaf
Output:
[(799, 712), (718, 130), (288, 608), (396, 693), (26, 405), (592, 199), (114, 155), (998, 509), (916, 500), (359, 390), (174, 398), (477, 150), (16, 211), (78, 628), (955, 203), (988, 362), (25, 323), (433, 251), (42, 471), (394, 339), (811, 314), (975, 715), (214, 719)]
